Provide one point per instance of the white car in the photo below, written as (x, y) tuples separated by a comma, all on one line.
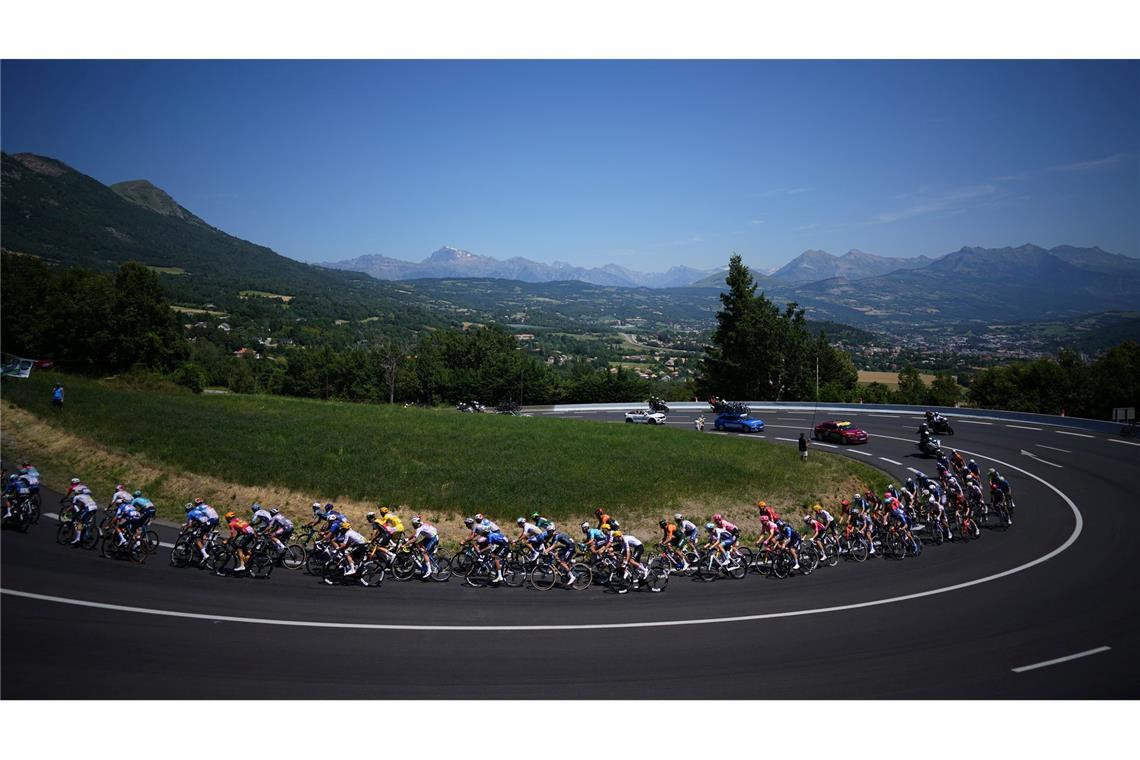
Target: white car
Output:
[(646, 416)]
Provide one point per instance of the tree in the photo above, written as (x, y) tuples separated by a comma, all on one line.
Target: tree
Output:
[(911, 389), (944, 391), (389, 355)]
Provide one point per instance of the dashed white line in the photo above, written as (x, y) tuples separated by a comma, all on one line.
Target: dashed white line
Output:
[(857, 451), (1126, 443), (789, 440), (1078, 435), (1059, 660), (825, 445), (885, 416), (971, 422), (916, 472), (1053, 448), (891, 461), (1023, 427)]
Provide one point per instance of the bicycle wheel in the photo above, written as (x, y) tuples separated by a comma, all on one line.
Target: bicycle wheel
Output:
[(33, 513), (657, 581), (404, 567), (137, 551), (832, 549), (707, 568), (181, 554), (110, 544), (858, 549), (736, 568), (372, 573), (583, 576), (151, 542), (619, 582), (781, 565), (90, 537), (543, 577), (293, 557), (260, 566), (514, 573), (479, 575), (218, 558), (461, 563), (809, 559), (65, 533), (440, 569)]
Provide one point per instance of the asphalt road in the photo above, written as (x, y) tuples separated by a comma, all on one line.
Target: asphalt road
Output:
[(953, 623)]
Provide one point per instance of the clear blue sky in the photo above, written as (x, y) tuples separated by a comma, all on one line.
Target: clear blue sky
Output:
[(646, 164)]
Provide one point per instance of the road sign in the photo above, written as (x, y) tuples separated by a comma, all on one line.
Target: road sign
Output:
[(1124, 414)]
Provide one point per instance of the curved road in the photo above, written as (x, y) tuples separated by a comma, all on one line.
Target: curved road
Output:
[(961, 621)]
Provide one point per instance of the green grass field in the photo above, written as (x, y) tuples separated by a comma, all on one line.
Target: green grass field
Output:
[(439, 460)]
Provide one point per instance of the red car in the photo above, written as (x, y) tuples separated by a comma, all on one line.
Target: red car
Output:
[(839, 431)]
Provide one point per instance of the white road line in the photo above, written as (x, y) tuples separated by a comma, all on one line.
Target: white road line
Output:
[(1126, 443), (1023, 427), (1078, 435), (1031, 455), (857, 451), (885, 416), (792, 419), (1059, 660), (916, 472), (1077, 529), (825, 445), (1053, 448), (789, 440), (971, 422), (891, 461)]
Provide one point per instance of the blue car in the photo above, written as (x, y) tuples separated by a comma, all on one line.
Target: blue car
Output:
[(740, 422)]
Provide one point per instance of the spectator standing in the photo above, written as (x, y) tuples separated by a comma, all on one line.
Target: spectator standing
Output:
[(803, 448)]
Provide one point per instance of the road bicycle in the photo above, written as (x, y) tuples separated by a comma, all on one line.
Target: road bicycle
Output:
[(69, 526), (549, 572)]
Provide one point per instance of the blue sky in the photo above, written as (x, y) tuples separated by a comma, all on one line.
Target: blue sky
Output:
[(647, 164)]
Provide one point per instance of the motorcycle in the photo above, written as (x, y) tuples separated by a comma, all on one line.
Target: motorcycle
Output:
[(470, 407), (941, 425), (931, 447), (658, 405)]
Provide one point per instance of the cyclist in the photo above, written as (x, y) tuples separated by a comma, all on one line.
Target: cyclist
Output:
[(767, 510), (957, 460), (630, 548), (596, 539), (859, 502), (817, 528), (15, 490), (75, 487), (279, 529), (859, 522), (937, 512), (532, 535), (147, 512), (972, 466), (562, 546), (85, 509), (495, 543), (539, 520), (31, 475), (488, 523), (241, 534), (824, 517), (671, 539), (120, 496), (897, 516), (720, 538), (724, 524), (350, 542), (603, 518), (996, 480), (767, 531), (197, 523), (261, 517), (788, 538), (125, 517), (426, 538), (909, 492), (318, 515), (688, 530)]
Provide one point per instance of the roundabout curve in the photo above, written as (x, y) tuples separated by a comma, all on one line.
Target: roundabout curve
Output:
[(956, 622)]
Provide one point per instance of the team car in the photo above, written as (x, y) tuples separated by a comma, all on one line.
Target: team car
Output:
[(739, 422), (839, 431), (646, 416)]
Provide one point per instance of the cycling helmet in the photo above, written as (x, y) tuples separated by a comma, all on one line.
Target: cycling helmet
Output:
[(137, 493), (598, 512), (807, 519), (345, 525), (709, 527), (188, 506), (118, 486), (329, 507), (478, 517), (816, 507), (585, 527), (606, 526), (316, 505), (521, 521), (481, 529), (856, 497), (534, 515), (614, 524), (761, 504), (470, 521), (845, 503), (717, 518), (231, 515), (991, 471), (275, 511), (384, 511), (370, 517), (618, 534), (662, 523), (973, 462), (678, 517), (550, 527), (198, 501), (416, 520), (75, 481)]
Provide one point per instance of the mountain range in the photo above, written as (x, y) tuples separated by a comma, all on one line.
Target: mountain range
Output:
[(449, 262), (64, 217)]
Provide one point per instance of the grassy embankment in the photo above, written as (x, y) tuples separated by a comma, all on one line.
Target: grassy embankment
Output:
[(235, 449)]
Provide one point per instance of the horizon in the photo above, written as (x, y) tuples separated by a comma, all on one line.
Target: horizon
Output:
[(643, 164)]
